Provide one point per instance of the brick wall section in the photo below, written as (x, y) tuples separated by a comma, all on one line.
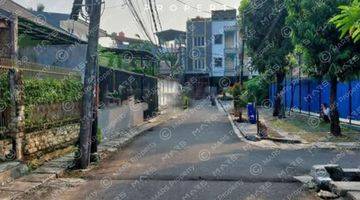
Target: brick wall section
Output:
[(51, 139), (5, 148)]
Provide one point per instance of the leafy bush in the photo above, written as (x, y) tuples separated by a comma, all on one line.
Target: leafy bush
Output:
[(46, 91), (4, 89), (40, 92), (237, 93), (186, 102), (185, 96), (256, 88), (117, 61)]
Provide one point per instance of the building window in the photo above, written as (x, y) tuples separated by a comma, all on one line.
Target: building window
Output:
[(199, 64), (218, 39), (199, 41), (218, 62)]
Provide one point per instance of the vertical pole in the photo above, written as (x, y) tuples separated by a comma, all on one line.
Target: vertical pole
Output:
[(292, 91), (16, 125), (285, 99), (88, 96), (300, 98), (242, 53), (257, 120), (94, 133), (320, 94), (308, 89), (350, 103), (142, 77), (76, 9)]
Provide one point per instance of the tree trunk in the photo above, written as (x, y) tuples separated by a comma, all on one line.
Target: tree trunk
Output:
[(279, 94), (89, 80), (334, 113)]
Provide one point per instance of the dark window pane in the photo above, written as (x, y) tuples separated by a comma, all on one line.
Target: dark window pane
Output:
[(218, 39), (218, 62)]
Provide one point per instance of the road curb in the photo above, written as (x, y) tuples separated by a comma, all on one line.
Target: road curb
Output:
[(283, 140), (329, 146), (235, 128)]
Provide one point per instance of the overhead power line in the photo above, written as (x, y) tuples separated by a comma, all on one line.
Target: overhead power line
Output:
[(138, 19), (146, 16), (158, 16), (153, 16)]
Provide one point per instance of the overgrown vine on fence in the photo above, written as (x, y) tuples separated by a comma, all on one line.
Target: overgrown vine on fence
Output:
[(47, 91), (42, 92), (4, 89)]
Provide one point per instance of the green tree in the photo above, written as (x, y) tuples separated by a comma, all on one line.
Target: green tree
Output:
[(325, 55), (348, 21), (172, 61), (267, 41)]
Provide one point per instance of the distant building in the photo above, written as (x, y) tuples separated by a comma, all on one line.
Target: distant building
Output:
[(172, 41), (78, 28), (213, 51), (121, 41)]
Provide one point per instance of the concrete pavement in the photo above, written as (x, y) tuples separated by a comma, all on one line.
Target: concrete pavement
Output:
[(196, 156)]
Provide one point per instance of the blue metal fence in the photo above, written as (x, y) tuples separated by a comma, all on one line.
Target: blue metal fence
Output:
[(307, 95)]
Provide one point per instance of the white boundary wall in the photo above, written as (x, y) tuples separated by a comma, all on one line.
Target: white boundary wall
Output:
[(169, 93)]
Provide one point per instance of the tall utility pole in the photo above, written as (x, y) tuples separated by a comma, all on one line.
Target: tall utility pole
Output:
[(242, 35), (94, 11), (77, 6), (242, 53), (242, 61)]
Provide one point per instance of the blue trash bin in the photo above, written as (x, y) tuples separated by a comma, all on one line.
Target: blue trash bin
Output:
[(251, 112)]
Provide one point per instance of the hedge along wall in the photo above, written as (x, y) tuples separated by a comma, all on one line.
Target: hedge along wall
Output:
[(51, 101), (52, 112), (4, 101), (308, 94)]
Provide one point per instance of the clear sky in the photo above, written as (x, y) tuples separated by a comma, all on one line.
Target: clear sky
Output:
[(116, 16)]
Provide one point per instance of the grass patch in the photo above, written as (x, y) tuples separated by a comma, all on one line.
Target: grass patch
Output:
[(311, 129)]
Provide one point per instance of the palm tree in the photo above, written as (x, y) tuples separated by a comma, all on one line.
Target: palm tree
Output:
[(348, 20)]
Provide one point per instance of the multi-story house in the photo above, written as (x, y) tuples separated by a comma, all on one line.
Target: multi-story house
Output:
[(213, 52), (198, 54)]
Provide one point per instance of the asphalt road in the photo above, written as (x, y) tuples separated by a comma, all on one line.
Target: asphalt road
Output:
[(197, 156)]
